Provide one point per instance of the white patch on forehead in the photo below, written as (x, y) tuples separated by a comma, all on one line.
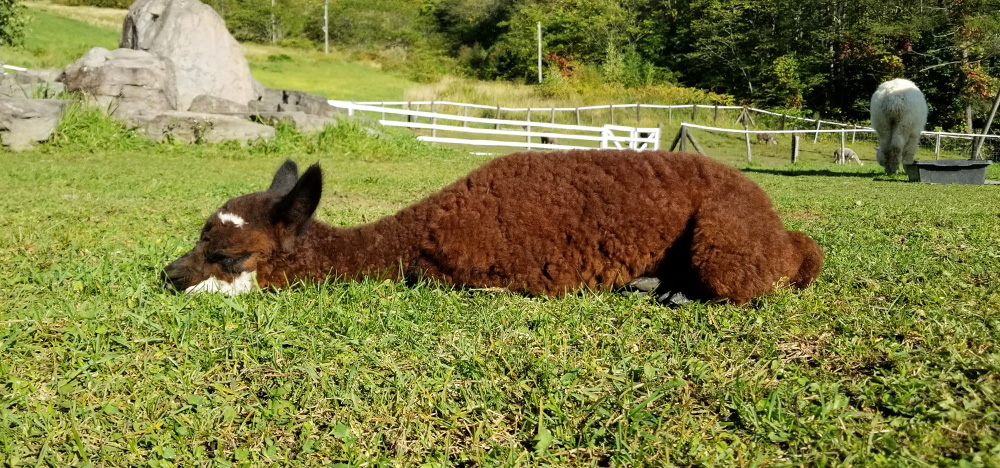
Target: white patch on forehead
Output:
[(232, 218), (246, 282)]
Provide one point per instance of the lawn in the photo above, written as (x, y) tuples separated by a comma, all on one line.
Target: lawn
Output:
[(889, 359)]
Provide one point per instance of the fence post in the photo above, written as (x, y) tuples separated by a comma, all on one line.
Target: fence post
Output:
[(409, 118), (795, 148), (498, 117), (552, 116), (434, 121), (527, 128), (854, 134), (659, 135), (715, 120), (746, 134), (783, 121), (843, 157), (638, 114), (937, 146), (612, 108), (465, 123), (684, 137), (694, 113), (818, 123), (670, 115), (578, 116)]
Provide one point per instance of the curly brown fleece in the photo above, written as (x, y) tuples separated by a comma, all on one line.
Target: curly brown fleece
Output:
[(550, 223)]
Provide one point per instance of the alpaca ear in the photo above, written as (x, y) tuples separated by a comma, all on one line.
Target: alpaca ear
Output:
[(285, 178), (294, 211)]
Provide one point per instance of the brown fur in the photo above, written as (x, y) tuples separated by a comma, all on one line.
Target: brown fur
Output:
[(541, 223)]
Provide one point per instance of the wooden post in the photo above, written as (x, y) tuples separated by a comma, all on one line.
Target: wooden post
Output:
[(783, 121), (694, 113), (746, 134), (818, 123), (465, 123), (937, 146), (578, 116), (977, 143), (677, 139), (498, 117), (795, 148), (638, 114), (694, 142), (715, 120), (611, 107), (528, 118), (659, 132), (684, 134), (552, 117), (670, 115)]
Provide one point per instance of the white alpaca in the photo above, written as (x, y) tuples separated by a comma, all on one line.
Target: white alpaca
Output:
[(899, 113)]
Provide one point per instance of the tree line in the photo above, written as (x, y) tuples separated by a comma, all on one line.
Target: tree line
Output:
[(824, 56)]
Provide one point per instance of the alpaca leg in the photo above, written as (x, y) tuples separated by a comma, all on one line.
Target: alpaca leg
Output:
[(739, 250), (910, 150)]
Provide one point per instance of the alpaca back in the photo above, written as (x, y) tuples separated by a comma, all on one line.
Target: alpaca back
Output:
[(546, 222)]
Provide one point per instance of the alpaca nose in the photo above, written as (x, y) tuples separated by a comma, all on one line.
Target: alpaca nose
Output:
[(173, 277)]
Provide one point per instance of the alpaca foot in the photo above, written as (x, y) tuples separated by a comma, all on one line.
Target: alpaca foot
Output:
[(673, 299), (644, 284)]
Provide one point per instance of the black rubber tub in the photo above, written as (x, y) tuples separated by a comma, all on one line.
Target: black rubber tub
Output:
[(948, 171)]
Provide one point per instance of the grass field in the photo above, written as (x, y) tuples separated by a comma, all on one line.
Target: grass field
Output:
[(890, 359)]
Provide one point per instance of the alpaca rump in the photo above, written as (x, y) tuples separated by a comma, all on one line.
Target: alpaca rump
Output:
[(899, 114), (539, 223)]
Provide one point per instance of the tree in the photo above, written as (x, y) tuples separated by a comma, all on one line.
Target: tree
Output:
[(12, 21)]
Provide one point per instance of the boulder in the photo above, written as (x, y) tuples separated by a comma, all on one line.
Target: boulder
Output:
[(216, 105), (24, 122), (206, 58), (195, 127), (304, 123), (38, 84), (129, 82), (281, 100)]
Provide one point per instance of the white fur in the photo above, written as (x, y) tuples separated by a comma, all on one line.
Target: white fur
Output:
[(236, 219), (246, 282), (899, 114)]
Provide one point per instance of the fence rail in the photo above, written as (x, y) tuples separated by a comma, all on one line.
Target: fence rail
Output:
[(607, 136)]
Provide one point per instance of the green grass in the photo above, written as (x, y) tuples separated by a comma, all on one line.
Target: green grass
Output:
[(53, 41), (332, 76), (890, 359)]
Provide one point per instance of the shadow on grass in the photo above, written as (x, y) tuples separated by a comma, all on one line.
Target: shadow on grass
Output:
[(876, 176)]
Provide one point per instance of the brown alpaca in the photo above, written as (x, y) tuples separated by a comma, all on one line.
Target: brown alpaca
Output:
[(540, 223)]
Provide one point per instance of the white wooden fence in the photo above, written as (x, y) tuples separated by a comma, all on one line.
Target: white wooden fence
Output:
[(556, 136)]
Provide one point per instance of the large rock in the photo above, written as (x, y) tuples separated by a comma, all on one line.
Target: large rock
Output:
[(194, 127), (24, 122), (281, 100), (215, 105), (32, 84), (304, 123), (126, 81), (206, 58)]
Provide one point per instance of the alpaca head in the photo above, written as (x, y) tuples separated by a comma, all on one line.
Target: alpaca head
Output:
[(242, 236)]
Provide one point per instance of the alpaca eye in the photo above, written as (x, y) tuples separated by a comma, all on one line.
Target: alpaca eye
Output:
[(231, 264)]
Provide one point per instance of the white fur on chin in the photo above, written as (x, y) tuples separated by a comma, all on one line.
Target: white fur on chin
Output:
[(246, 282)]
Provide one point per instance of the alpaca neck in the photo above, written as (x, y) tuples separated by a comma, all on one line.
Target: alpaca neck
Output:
[(379, 250)]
